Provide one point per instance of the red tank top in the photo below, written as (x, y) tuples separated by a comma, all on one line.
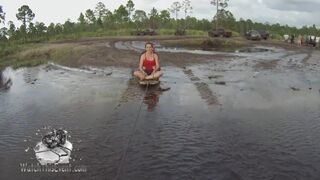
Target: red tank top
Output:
[(148, 64)]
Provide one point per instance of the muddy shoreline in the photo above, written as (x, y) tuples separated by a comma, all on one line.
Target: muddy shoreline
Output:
[(104, 51)]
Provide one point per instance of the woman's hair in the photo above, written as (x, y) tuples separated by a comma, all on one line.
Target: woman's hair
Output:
[(152, 45), (144, 51), (148, 43)]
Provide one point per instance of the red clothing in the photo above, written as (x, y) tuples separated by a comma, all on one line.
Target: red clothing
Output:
[(149, 64)]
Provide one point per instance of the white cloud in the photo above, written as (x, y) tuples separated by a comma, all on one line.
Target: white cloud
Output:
[(294, 5)]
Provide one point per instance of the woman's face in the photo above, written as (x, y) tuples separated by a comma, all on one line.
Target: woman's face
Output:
[(149, 48)]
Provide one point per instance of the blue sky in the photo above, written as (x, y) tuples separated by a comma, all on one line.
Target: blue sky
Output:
[(291, 12)]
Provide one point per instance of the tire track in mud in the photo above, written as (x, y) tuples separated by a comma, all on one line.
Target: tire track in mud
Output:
[(292, 61), (203, 88), (305, 59), (266, 65)]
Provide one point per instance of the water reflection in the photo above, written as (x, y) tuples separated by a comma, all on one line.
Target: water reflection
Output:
[(149, 95), (151, 99), (152, 96)]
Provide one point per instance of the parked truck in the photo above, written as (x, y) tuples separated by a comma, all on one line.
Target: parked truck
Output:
[(220, 33), (145, 32)]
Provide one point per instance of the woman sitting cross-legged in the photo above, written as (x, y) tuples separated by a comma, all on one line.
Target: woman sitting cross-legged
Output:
[(149, 68)]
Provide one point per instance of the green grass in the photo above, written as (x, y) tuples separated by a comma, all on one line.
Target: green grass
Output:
[(276, 37), (189, 32), (9, 50), (117, 33), (165, 31), (196, 33), (28, 55), (234, 42), (89, 34), (214, 42)]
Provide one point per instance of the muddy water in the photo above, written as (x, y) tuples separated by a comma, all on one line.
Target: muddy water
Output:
[(254, 117), (138, 46)]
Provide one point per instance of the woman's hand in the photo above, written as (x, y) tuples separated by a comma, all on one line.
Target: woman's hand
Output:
[(142, 69), (154, 70), (145, 74)]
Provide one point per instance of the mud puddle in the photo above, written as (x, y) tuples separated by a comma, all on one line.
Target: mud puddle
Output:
[(218, 120), (138, 46)]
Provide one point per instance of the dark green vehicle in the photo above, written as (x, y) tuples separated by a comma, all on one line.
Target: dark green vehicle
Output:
[(180, 32), (220, 33), (145, 32), (253, 35)]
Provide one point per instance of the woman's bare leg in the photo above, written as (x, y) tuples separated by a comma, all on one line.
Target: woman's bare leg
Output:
[(139, 74), (156, 75)]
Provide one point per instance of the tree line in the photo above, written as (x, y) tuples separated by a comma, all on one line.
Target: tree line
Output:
[(126, 16)]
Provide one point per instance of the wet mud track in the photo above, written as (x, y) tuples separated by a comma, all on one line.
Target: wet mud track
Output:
[(254, 115)]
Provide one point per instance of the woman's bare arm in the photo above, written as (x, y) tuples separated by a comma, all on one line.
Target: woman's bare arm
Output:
[(156, 58), (141, 64)]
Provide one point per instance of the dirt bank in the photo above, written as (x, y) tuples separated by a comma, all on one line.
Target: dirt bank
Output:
[(103, 51)]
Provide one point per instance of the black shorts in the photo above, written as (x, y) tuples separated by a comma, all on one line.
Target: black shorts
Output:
[(148, 71)]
